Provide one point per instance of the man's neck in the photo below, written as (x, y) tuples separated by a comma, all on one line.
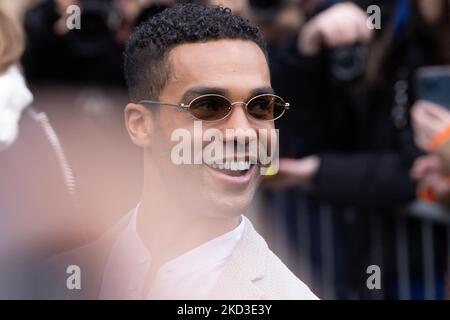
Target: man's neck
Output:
[(168, 228), (168, 232)]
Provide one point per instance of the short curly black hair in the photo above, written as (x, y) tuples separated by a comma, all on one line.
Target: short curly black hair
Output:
[(146, 65)]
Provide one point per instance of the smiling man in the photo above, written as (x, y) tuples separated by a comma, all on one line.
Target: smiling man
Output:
[(188, 238)]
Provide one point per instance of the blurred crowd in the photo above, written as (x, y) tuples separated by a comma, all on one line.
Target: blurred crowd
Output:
[(364, 130)]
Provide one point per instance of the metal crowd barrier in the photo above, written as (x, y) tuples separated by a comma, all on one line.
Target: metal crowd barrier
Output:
[(428, 215)]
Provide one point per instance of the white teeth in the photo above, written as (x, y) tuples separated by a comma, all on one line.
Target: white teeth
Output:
[(234, 166)]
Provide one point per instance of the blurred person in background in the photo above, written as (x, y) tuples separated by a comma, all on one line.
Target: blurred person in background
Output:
[(334, 112), (349, 141), (89, 55), (38, 216)]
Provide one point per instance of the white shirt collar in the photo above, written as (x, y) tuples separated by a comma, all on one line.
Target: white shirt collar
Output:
[(193, 273)]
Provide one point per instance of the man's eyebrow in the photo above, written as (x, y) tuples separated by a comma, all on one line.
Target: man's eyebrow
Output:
[(198, 91), (262, 90)]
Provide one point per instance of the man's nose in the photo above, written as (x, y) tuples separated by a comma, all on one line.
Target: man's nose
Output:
[(238, 129), (238, 118)]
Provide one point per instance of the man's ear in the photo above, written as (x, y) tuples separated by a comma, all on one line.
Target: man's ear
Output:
[(139, 122)]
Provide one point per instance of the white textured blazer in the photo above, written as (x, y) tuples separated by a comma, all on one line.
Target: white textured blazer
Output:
[(254, 272)]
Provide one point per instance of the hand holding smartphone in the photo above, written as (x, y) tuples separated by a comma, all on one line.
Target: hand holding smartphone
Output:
[(433, 84)]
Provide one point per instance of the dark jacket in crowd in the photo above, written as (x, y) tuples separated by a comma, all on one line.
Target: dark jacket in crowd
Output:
[(363, 137)]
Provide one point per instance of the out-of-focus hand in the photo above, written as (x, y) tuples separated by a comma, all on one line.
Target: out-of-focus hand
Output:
[(294, 173), (341, 25), (438, 185), (426, 165), (432, 177), (428, 119)]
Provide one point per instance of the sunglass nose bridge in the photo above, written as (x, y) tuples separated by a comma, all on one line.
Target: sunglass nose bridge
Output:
[(239, 102)]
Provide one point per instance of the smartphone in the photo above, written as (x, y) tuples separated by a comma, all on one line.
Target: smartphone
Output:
[(433, 84)]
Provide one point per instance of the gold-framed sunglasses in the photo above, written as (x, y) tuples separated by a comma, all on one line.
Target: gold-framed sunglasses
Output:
[(215, 107)]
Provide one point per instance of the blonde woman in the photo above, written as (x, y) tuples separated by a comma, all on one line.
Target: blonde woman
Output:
[(37, 189)]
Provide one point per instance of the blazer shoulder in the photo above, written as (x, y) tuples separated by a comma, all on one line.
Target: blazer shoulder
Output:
[(281, 283), (267, 271)]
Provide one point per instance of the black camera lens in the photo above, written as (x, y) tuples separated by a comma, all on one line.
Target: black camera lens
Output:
[(348, 63)]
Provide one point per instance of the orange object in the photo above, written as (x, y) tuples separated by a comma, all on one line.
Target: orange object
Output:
[(439, 139), (427, 195)]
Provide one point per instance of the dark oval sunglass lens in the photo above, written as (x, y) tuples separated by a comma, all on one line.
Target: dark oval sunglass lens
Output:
[(210, 108), (266, 107)]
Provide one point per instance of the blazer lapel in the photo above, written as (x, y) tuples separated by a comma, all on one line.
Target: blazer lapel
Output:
[(246, 267)]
